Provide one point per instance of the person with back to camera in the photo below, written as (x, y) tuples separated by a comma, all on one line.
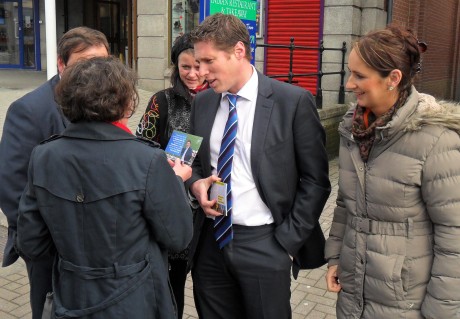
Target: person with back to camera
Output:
[(29, 120), (393, 246), (264, 139), (169, 110), (108, 203)]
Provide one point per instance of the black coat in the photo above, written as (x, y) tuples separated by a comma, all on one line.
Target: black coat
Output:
[(111, 206), (29, 120), (167, 110)]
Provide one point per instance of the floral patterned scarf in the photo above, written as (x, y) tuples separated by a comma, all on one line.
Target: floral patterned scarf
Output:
[(365, 122)]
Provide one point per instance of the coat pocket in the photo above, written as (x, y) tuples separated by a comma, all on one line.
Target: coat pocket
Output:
[(383, 280)]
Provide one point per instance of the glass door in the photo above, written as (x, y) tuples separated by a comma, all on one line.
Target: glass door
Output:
[(108, 22), (9, 33), (28, 32), (17, 34)]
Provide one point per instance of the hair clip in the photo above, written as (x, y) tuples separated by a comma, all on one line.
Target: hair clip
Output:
[(422, 46)]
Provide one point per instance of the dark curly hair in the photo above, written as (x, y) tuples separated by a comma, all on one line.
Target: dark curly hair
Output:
[(99, 89), (392, 48)]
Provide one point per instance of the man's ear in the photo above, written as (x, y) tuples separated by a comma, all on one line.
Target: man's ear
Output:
[(61, 65), (240, 50)]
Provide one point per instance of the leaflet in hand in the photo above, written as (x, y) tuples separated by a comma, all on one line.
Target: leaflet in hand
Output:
[(183, 146), (219, 192)]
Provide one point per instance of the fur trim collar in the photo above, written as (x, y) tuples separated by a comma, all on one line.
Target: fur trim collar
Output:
[(432, 112)]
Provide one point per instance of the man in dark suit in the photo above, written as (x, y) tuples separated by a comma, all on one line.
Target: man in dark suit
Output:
[(187, 152), (279, 180), (30, 120)]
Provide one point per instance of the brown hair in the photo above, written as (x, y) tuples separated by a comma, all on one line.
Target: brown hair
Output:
[(224, 30), (98, 89), (79, 39), (391, 48)]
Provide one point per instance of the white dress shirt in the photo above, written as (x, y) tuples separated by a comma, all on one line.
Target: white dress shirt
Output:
[(248, 208)]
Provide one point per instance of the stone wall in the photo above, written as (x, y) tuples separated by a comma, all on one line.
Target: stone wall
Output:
[(330, 118), (345, 20), (153, 39)]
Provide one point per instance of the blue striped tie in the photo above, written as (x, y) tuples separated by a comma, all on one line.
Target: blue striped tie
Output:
[(223, 231)]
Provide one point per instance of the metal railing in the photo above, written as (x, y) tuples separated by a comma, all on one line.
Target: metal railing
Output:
[(291, 75)]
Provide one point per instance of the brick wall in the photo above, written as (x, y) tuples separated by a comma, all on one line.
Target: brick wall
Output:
[(406, 13), (435, 22)]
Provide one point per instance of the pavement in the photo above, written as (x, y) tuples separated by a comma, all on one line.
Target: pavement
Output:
[(309, 298)]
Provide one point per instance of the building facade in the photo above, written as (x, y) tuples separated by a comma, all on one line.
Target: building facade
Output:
[(141, 32), (438, 24)]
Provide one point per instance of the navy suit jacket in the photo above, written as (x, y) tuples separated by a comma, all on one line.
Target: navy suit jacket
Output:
[(288, 160), (29, 120)]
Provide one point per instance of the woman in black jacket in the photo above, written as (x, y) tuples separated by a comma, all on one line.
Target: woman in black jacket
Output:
[(107, 202), (169, 110)]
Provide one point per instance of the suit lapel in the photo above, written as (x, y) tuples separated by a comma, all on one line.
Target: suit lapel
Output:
[(54, 81), (262, 115), (212, 105)]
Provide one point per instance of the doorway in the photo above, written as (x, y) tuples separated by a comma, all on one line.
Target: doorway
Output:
[(18, 41), (113, 18)]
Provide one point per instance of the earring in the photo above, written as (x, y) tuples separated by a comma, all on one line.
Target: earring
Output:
[(391, 88)]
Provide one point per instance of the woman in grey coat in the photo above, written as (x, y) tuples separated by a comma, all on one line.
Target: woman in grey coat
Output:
[(393, 249), (106, 201)]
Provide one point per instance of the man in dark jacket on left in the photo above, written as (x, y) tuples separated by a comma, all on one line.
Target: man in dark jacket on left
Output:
[(29, 120)]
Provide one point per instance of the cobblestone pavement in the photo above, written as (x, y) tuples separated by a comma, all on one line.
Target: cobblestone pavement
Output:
[(309, 299)]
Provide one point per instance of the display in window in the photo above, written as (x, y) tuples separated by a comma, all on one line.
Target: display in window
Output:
[(177, 25), (195, 6), (178, 7), (184, 17)]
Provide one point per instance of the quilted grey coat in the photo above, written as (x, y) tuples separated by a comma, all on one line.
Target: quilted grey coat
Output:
[(396, 229)]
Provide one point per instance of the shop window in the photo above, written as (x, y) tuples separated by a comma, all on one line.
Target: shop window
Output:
[(185, 15), (259, 19)]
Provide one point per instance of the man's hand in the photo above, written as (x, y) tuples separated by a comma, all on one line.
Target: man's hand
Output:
[(181, 170), (200, 189), (332, 280)]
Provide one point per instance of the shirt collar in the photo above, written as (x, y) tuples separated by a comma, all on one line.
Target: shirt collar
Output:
[(249, 91)]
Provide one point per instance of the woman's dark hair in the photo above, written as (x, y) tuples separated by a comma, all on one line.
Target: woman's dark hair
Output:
[(181, 44), (99, 89), (392, 48)]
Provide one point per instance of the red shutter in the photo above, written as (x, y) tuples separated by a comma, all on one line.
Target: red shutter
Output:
[(302, 20)]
